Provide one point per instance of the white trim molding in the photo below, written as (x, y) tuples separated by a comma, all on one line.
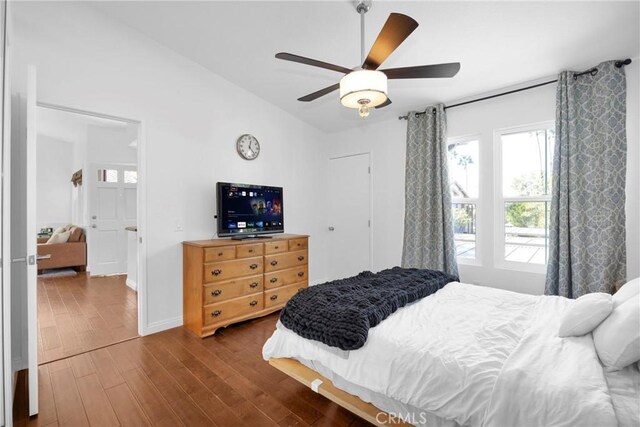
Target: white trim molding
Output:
[(162, 325)]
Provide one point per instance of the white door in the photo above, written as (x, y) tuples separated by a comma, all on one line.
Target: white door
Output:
[(112, 207), (23, 237), (349, 215)]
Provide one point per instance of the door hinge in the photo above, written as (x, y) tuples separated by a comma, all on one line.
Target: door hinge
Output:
[(369, 223), (32, 260), (369, 170)]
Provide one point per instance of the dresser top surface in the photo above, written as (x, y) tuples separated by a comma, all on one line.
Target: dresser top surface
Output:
[(228, 241)]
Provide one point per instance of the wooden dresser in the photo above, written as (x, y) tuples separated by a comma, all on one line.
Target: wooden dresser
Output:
[(227, 281)]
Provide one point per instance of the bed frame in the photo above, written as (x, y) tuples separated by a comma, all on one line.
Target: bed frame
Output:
[(354, 404)]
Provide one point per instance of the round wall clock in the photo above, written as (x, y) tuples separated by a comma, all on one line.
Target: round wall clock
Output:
[(248, 147)]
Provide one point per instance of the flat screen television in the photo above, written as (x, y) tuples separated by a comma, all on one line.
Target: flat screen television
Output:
[(246, 210)]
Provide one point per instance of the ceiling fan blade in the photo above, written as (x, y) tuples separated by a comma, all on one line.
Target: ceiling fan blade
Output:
[(384, 104), (393, 33), (424, 71), (313, 62), (321, 92)]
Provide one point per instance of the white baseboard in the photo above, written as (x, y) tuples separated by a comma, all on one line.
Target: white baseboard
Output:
[(318, 281), (163, 325), (133, 285)]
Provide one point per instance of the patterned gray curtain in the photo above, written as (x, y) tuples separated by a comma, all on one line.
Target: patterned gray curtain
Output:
[(428, 224), (587, 219)]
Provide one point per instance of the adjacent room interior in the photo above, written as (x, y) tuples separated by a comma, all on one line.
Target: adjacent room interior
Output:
[(328, 213), (86, 179)]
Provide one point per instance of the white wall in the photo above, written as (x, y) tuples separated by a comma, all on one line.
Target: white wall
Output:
[(386, 142), (111, 144), (191, 117), (53, 193)]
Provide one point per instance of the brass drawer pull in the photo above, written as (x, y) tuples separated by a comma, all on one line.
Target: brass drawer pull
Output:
[(216, 272), (301, 274), (253, 266), (220, 253), (276, 247), (216, 293), (253, 285), (274, 297), (253, 303), (274, 262), (216, 313), (250, 250), (300, 258), (274, 280)]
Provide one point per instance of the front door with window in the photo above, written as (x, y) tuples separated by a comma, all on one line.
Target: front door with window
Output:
[(112, 208)]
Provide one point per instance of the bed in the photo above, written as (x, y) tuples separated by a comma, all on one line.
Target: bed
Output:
[(467, 355)]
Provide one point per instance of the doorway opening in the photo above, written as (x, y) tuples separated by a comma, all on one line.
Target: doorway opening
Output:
[(86, 220)]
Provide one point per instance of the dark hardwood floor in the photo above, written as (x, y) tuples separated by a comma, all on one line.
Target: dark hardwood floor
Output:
[(174, 378), (81, 313)]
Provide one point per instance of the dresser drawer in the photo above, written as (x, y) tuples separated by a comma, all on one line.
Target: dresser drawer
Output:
[(287, 260), (216, 313), (220, 253), (298, 244), (246, 251), (280, 296), (222, 291), (286, 277), (218, 271), (276, 247)]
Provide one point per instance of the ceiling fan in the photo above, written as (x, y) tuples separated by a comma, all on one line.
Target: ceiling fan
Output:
[(365, 87)]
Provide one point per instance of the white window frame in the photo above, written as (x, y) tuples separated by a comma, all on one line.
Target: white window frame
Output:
[(477, 260), (500, 200)]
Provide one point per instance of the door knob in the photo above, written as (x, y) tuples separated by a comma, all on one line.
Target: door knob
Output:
[(331, 228)]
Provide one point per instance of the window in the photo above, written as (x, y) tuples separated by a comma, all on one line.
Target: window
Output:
[(130, 177), (108, 175), (464, 164), (524, 194)]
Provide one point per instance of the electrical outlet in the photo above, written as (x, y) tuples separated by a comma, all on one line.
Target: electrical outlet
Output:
[(178, 226)]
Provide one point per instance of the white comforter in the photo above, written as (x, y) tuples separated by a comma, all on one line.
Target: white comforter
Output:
[(478, 356)]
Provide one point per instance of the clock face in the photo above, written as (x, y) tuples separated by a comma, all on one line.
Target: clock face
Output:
[(248, 146)]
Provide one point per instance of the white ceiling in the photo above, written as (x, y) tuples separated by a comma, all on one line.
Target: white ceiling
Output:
[(72, 127), (499, 44)]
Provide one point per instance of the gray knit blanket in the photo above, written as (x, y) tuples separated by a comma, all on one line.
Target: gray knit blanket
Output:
[(340, 313)]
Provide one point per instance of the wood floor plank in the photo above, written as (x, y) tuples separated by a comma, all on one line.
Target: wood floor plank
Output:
[(95, 401), (67, 399), (171, 378), (106, 368), (126, 407), (82, 365), (151, 401), (81, 313)]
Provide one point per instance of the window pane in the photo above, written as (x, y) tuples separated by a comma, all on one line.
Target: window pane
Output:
[(463, 169), (526, 232), (464, 228), (107, 175), (526, 163), (130, 177)]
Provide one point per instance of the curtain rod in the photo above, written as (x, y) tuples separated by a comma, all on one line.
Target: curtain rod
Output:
[(591, 71)]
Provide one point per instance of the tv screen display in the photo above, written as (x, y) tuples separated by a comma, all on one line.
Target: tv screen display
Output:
[(245, 209)]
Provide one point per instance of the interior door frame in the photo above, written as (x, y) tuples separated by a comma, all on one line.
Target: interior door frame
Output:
[(141, 165), (5, 229), (371, 222)]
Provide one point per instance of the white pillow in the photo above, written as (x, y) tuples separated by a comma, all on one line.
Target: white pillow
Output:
[(585, 314), (617, 339), (59, 238), (626, 291), (62, 229)]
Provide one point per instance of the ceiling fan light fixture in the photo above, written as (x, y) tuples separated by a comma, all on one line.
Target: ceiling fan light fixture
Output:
[(363, 87)]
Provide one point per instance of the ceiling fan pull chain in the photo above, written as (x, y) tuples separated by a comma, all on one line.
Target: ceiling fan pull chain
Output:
[(362, 12)]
